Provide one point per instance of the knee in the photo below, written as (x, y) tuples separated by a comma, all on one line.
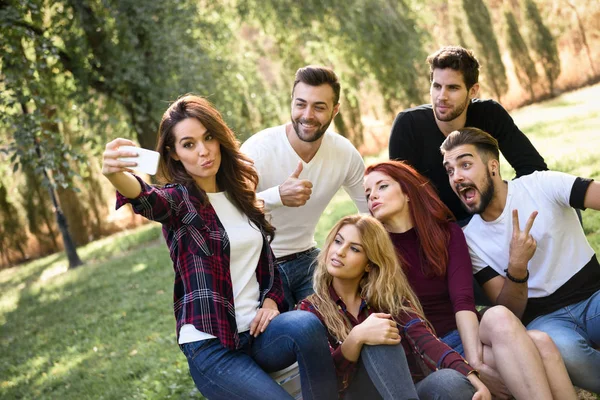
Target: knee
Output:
[(304, 326), (545, 346), (447, 384), (499, 322)]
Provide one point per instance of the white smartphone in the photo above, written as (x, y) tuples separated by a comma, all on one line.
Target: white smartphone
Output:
[(147, 160)]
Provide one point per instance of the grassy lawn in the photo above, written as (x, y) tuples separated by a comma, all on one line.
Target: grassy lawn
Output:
[(106, 330)]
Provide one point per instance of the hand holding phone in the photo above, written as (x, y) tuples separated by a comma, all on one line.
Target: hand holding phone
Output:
[(147, 160)]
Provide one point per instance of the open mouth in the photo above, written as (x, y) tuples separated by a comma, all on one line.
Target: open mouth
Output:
[(336, 263), (467, 194)]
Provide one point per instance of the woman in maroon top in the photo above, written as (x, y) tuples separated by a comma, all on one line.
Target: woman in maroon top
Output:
[(375, 323), (435, 258)]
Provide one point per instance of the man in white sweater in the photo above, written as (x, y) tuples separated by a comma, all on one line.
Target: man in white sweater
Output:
[(301, 165)]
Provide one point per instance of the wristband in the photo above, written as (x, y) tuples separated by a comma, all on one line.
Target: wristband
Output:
[(474, 372), (515, 280)]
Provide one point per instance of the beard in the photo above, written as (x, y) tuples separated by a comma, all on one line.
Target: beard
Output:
[(486, 195), (310, 137), (454, 114)]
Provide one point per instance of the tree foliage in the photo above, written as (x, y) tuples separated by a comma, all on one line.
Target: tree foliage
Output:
[(480, 23), (524, 64), (542, 43), (77, 73)]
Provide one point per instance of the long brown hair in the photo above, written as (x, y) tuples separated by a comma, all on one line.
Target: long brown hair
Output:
[(430, 216), (384, 287), (235, 175)]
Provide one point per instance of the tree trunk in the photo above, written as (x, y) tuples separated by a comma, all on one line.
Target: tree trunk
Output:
[(583, 36)]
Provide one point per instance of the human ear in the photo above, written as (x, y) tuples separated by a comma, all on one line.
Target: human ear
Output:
[(474, 91), (173, 154)]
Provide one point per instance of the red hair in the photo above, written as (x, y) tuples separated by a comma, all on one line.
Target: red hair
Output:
[(429, 214)]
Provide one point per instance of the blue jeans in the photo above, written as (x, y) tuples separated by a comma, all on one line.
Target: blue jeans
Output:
[(297, 277), (445, 384), (575, 330), (452, 339), (383, 372), (222, 373)]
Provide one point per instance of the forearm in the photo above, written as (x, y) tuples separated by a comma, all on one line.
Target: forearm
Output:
[(125, 183), (468, 328), (352, 346), (514, 295), (271, 198)]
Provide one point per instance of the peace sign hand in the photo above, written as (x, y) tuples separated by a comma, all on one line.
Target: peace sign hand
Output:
[(522, 244)]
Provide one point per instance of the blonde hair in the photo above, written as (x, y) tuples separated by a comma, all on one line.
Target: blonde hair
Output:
[(384, 287)]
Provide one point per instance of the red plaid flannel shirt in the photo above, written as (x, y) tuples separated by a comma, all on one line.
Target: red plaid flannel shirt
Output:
[(422, 347), (199, 248)]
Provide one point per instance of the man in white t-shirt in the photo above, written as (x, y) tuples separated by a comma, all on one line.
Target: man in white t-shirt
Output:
[(544, 270), (301, 165)]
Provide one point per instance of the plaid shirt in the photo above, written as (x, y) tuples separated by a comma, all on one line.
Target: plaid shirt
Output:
[(199, 248), (424, 351)]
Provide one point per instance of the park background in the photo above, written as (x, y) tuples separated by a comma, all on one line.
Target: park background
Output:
[(96, 321)]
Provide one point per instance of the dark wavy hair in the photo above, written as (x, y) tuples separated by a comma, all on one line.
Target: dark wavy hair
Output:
[(429, 214), (458, 59), (236, 174)]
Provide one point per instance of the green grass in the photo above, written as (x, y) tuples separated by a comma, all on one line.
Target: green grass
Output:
[(106, 330), (102, 331)]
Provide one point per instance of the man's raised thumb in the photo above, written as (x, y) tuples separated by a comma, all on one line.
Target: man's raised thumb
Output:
[(298, 170)]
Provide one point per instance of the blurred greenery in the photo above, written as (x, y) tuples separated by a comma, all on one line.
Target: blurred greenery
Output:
[(76, 73)]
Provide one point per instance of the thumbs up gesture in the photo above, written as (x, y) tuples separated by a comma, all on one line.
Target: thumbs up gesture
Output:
[(295, 192)]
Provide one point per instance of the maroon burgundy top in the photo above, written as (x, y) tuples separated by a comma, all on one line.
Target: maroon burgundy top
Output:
[(441, 297)]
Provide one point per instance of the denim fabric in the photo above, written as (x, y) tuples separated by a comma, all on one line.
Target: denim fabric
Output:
[(452, 339), (221, 373), (445, 384), (382, 372), (575, 330), (297, 277)]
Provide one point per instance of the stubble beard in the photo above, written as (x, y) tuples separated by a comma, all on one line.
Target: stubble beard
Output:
[(455, 114), (486, 197), (310, 138)]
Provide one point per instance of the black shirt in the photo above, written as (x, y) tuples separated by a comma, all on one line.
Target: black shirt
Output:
[(416, 139)]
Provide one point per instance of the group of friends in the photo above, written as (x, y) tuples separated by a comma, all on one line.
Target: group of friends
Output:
[(387, 308)]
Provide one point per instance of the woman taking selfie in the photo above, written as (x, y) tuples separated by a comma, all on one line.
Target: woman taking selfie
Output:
[(227, 292)]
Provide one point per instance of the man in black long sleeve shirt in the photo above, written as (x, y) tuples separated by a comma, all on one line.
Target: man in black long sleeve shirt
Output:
[(418, 132)]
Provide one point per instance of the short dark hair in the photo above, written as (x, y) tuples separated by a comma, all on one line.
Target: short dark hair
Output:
[(486, 144), (458, 59), (315, 75)]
